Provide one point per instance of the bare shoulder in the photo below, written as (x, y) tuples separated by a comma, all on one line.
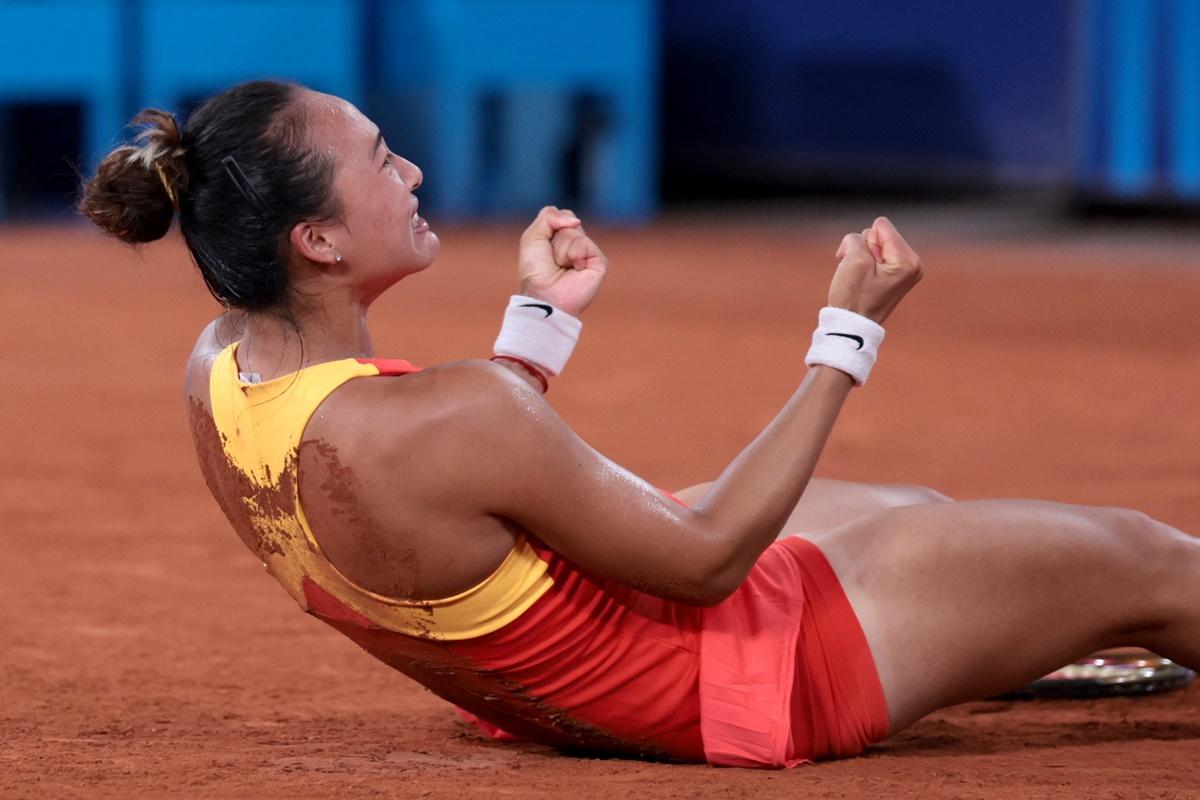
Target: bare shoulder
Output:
[(216, 336), (418, 456), (437, 406), (453, 437)]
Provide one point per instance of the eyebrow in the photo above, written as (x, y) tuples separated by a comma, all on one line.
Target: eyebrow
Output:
[(375, 147)]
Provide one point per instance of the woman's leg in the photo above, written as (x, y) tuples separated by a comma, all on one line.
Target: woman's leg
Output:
[(827, 503), (966, 600)]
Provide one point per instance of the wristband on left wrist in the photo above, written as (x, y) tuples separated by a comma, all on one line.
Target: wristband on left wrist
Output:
[(846, 341)]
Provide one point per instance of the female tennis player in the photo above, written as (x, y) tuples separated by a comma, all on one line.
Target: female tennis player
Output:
[(451, 524)]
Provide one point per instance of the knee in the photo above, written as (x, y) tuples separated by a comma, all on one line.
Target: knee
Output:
[(1127, 523), (1154, 557), (1141, 536), (915, 496)]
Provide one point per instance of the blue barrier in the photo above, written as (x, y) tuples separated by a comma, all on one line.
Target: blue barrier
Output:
[(509, 104), (499, 99), (1185, 151), (1131, 114), (192, 48), (1139, 109), (66, 51)]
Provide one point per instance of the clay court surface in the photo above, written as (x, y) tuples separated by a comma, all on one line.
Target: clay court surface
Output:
[(145, 653)]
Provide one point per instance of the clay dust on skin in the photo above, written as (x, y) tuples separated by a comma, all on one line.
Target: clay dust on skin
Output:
[(337, 485)]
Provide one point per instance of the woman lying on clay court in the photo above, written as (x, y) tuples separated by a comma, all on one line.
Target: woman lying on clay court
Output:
[(450, 523)]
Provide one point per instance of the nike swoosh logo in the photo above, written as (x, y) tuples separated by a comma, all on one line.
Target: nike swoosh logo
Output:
[(858, 339), (549, 310)]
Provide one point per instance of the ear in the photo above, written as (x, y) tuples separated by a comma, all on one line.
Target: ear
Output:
[(314, 242)]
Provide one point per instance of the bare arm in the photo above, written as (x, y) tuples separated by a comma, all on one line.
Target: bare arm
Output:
[(509, 452), (526, 465), (758, 491)]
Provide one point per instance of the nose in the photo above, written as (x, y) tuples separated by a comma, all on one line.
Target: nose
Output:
[(414, 175)]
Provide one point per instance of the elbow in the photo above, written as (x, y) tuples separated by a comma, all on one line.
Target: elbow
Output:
[(709, 596), (711, 587), (710, 566), (715, 571), (710, 600)]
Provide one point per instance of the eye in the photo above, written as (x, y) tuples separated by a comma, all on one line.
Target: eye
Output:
[(390, 163)]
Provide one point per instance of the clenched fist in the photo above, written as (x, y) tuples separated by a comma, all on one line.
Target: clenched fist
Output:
[(877, 269), (558, 262)]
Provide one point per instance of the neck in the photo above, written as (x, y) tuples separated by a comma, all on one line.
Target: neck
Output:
[(327, 329)]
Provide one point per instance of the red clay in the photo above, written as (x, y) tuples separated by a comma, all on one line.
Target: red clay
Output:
[(146, 654)]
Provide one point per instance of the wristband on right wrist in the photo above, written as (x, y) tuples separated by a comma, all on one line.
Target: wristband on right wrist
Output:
[(537, 332), (846, 341)]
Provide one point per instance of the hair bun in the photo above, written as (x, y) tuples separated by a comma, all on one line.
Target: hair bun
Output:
[(135, 191)]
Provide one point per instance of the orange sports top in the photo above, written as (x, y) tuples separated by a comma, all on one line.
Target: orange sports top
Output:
[(540, 649)]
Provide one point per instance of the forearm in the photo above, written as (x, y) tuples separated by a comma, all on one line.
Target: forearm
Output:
[(747, 506), (616, 526)]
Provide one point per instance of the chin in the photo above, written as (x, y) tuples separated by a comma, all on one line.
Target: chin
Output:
[(430, 249), (422, 262)]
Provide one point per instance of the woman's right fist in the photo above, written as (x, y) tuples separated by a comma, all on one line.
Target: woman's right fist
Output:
[(877, 269), (559, 263)]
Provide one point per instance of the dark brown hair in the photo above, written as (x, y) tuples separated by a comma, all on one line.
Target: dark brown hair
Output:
[(241, 174)]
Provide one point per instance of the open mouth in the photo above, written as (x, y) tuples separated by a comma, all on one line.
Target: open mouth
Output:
[(415, 222)]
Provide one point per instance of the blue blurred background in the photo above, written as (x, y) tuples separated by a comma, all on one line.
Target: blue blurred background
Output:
[(619, 107)]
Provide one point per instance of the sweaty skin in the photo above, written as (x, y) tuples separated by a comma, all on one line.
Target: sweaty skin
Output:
[(458, 459), (417, 486), (427, 500)]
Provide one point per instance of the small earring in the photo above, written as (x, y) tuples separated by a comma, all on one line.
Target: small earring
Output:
[(337, 259)]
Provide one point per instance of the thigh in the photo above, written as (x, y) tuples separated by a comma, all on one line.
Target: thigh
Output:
[(827, 502), (965, 600)]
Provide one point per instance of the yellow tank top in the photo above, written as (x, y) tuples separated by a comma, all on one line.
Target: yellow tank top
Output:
[(261, 426)]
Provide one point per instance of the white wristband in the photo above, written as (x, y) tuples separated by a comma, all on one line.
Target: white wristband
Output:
[(537, 332), (845, 341)]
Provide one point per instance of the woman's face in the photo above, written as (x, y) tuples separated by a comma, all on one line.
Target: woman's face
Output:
[(380, 237)]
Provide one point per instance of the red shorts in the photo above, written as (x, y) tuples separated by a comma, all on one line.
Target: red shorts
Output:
[(786, 675)]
